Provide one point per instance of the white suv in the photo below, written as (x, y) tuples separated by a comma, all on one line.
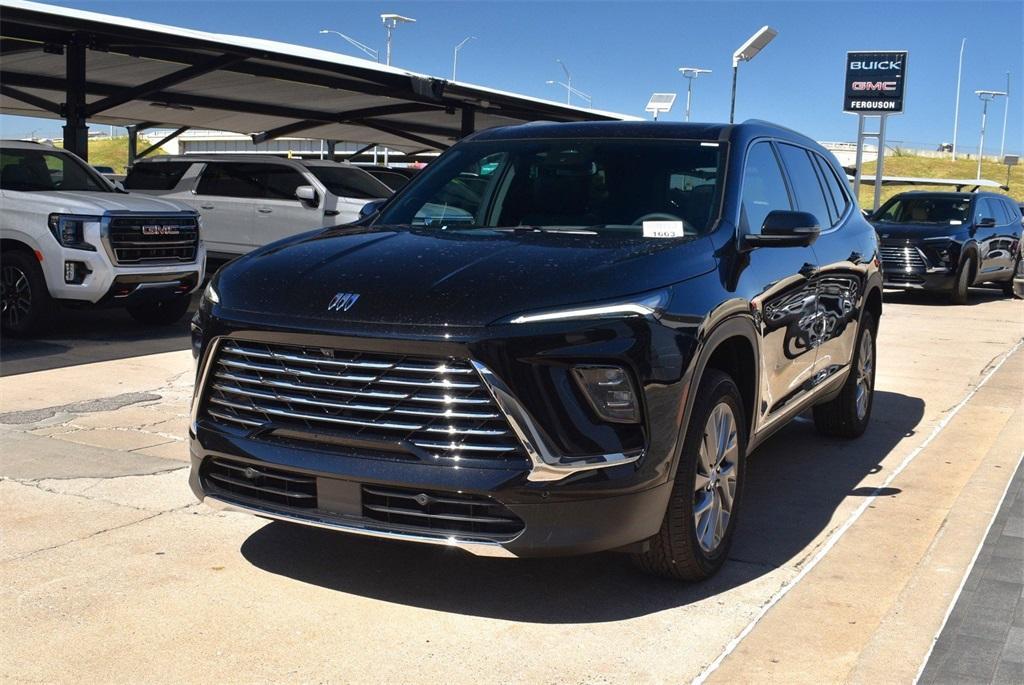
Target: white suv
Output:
[(251, 200), (69, 235)]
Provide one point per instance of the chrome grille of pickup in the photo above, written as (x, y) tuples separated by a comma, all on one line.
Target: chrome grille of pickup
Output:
[(439, 406), (901, 257), (153, 239), (439, 512)]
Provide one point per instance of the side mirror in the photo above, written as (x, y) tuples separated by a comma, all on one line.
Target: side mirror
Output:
[(986, 222), (371, 208), (785, 229), (307, 194)]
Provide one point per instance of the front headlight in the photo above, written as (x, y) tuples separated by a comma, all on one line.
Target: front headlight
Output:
[(650, 304), (70, 230), (210, 294)]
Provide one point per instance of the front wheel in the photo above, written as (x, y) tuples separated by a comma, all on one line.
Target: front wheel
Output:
[(698, 526), (25, 302), (162, 312), (963, 284), (847, 415)]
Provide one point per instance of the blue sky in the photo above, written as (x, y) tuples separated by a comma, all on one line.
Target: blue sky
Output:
[(621, 52)]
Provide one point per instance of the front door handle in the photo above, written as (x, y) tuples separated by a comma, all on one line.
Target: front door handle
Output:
[(808, 270), (264, 210)]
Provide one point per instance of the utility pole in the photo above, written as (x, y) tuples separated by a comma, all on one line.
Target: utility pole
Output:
[(455, 57), (1006, 109), (690, 73), (391, 22)]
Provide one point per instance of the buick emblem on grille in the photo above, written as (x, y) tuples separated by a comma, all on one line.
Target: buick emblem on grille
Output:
[(157, 229), (342, 302)]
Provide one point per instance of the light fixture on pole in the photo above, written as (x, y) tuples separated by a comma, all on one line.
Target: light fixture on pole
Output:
[(568, 82), (745, 53), (455, 57), (690, 73), (355, 43), (956, 108), (660, 103), (391, 21), (986, 97), (1006, 109), (573, 91)]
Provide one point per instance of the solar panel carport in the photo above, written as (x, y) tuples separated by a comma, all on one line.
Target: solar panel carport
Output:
[(82, 66)]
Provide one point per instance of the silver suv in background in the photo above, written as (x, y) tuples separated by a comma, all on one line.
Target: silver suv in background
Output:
[(247, 201), (68, 235)]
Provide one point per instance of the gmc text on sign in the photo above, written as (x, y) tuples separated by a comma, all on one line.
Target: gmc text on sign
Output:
[(875, 82)]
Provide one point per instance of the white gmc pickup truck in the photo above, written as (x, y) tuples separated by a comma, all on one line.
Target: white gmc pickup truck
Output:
[(68, 235)]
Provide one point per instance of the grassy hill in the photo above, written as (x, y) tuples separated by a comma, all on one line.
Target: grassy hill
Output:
[(113, 152), (934, 167)]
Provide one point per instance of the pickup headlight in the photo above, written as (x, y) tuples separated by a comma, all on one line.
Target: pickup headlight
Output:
[(69, 230), (210, 295)]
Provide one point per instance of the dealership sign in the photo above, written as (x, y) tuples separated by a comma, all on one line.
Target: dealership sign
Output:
[(875, 82)]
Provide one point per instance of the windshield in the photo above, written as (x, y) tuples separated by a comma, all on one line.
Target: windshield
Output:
[(42, 170), (599, 185), (925, 210), (349, 182)]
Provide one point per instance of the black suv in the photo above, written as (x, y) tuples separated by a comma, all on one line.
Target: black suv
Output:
[(948, 242), (557, 339)]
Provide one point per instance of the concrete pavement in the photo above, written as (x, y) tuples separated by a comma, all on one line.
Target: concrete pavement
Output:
[(846, 549)]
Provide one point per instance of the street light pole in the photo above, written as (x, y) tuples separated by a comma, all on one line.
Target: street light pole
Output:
[(1006, 109), (690, 73), (391, 21), (455, 57), (745, 53), (956, 109), (568, 82), (573, 91), (355, 43), (986, 97)]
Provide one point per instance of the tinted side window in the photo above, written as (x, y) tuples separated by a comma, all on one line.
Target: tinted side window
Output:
[(833, 185), (763, 188), (155, 175), (1011, 211), (986, 209), (278, 182), (809, 194), (228, 179)]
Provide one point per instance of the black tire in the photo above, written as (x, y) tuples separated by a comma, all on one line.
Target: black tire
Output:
[(162, 312), (962, 286), (843, 416), (676, 551), (1015, 273), (26, 303)]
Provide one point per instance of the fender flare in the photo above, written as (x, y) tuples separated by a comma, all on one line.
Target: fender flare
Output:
[(735, 325)]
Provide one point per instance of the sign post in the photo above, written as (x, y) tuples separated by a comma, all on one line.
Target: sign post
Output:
[(874, 87)]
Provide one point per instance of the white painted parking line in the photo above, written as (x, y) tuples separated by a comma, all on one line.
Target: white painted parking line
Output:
[(857, 513)]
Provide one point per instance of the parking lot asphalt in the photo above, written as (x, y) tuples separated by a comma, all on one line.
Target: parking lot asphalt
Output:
[(848, 556)]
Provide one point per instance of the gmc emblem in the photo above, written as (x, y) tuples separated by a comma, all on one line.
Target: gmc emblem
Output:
[(155, 229), (885, 86)]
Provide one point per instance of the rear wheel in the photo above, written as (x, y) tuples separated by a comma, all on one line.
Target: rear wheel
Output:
[(162, 312), (25, 302), (963, 284), (847, 415), (698, 526), (1018, 272)]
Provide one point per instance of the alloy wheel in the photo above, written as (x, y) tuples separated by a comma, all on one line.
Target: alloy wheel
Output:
[(15, 295), (865, 373), (715, 482)]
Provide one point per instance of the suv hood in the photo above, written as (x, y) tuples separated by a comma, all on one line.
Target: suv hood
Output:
[(91, 202), (891, 231), (458, 278)]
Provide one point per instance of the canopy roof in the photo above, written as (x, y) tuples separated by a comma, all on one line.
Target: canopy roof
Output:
[(139, 73)]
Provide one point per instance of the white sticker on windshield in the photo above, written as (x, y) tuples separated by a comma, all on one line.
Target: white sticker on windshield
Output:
[(955, 222), (663, 229)]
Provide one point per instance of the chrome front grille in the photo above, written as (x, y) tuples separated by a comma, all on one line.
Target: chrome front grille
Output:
[(901, 258), (444, 513), (438, 407), (153, 239)]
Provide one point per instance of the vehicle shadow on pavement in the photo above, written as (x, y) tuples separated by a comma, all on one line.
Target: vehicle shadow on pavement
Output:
[(84, 336), (977, 295), (795, 482)]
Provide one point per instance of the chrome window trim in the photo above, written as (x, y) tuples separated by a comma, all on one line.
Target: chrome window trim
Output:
[(546, 463), (478, 547)]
